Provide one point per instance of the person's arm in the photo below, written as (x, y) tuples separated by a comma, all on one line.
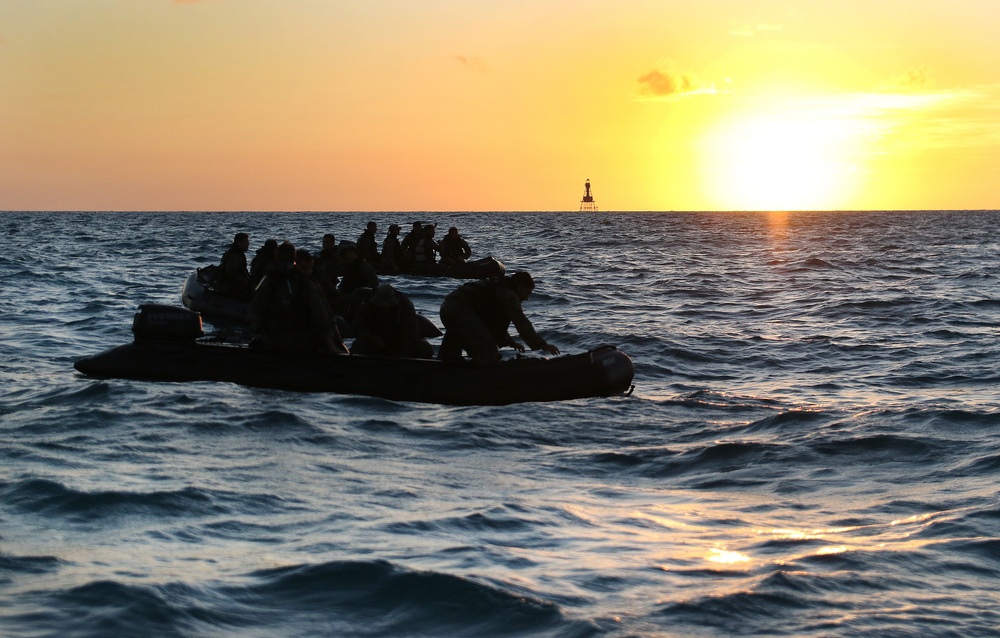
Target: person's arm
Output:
[(512, 305)]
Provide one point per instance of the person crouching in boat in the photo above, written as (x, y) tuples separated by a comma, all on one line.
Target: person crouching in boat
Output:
[(386, 325), (288, 311), (477, 315)]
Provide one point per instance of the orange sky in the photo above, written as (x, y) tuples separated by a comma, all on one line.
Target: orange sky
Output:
[(466, 105)]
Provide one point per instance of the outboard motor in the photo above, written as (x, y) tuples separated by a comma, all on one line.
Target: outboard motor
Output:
[(159, 323)]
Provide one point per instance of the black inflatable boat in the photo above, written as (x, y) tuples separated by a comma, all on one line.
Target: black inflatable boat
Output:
[(169, 346)]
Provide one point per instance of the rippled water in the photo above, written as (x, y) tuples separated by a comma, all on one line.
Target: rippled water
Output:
[(811, 448)]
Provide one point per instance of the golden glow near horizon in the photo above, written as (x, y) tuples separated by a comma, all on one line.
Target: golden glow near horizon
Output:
[(449, 105)]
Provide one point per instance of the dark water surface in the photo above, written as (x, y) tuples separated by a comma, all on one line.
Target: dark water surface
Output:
[(811, 448)]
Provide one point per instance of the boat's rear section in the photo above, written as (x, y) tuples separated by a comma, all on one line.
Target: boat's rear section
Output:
[(198, 295)]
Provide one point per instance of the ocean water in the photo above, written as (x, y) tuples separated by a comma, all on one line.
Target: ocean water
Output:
[(811, 448)]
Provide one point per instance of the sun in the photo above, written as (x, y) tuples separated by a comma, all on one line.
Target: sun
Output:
[(779, 161)]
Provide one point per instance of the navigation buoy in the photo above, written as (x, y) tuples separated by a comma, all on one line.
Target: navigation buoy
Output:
[(587, 203)]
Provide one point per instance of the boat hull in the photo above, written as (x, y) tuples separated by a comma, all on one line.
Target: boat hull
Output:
[(602, 372)]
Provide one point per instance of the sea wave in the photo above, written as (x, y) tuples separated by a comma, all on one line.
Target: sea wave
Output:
[(809, 449)]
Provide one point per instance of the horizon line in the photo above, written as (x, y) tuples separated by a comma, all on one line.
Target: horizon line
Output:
[(455, 211)]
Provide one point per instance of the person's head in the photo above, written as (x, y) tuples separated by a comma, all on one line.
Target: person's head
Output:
[(393, 229), (384, 296), (428, 230), (416, 227), (285, 255), (270, 247), (348, 251), (453, 231), (241, 241), (372, 226), (303, 262), (523, 284), (329, 241)]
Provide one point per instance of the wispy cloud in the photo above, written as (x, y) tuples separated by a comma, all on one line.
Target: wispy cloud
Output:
[(473, 63), (893, 121), (751, 30), (957, 118), (916, 79), (668, 84)]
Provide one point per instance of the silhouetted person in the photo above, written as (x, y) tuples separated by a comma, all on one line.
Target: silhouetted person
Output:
[(478, 314), (263, 262), (288, 311), (355, 273), (454, 250), (234, 278), (368, 245), (409, 243), (386, 325), (327, 267), (425, 251), (392, 250)]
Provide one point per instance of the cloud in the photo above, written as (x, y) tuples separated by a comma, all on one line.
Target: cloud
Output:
[(944, 119), (895, 121), (475, 64), (750, 30), (660, 84), (918, 79)]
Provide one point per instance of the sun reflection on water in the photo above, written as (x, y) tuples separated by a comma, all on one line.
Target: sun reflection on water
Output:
[(726, 557)]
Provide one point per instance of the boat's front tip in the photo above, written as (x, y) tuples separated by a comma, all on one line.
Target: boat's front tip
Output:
[(88, 366), (617, 369)]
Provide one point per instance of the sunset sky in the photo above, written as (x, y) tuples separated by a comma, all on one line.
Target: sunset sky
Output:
[(455, 105)]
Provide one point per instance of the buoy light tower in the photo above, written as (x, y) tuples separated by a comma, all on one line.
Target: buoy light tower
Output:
[(587, 203)]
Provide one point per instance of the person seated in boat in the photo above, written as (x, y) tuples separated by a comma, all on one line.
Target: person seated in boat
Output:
[(327, 265), (324, 274), (409, 243), (453, 248), (234, 278), (263, 262), (355, 273), (328, 251), (392, 251), (386, 325), (426, 250), (368, 245), (477, 315), (288, 312)]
